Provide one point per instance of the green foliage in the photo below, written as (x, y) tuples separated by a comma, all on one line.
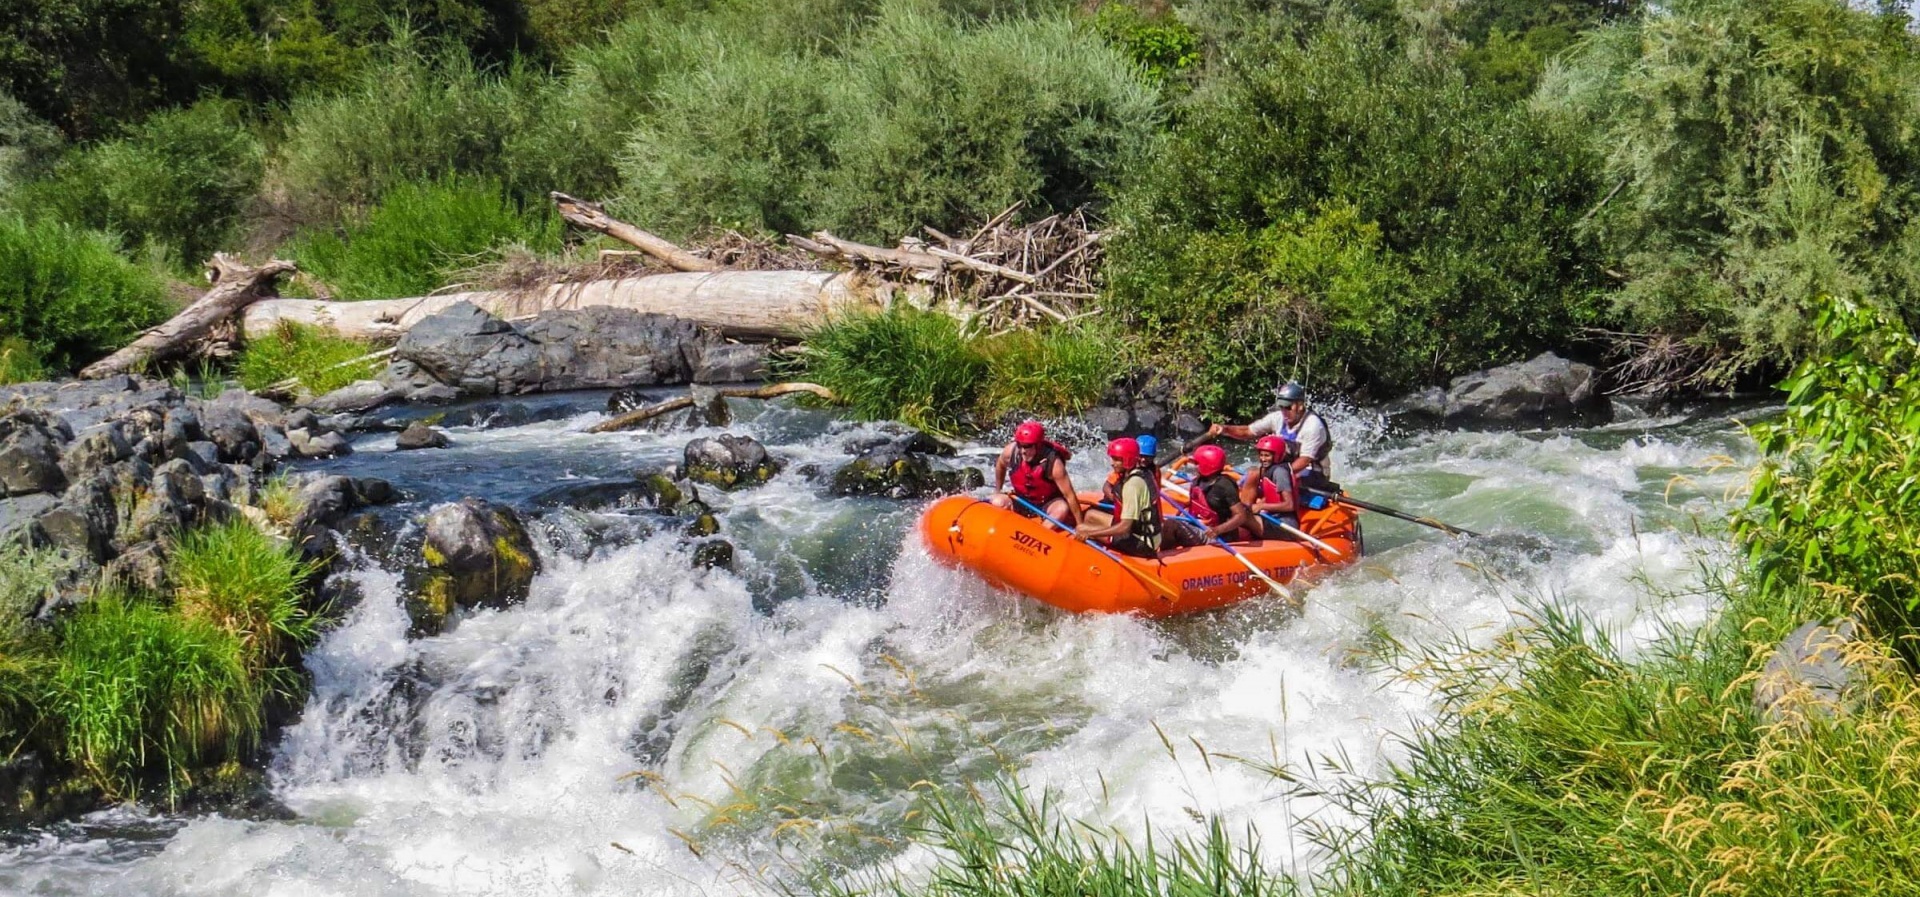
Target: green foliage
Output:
[(19, 363), (267, 50), (1508, 42), (1162, 46), (918, 368), (28, 147), (248, 584), (140, 691), (320, 360), (922, 118), (1766, 153), (419, 235), (1407, 233), (68, 295), (1836, 505), (179, 181), (88, 65)]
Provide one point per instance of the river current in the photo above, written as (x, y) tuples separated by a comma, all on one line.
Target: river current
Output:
[(643, 727)]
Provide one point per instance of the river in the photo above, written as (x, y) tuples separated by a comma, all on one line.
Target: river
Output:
[(642, 727)]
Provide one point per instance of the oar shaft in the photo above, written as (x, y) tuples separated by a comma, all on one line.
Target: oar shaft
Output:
[(1157, 584), (1390, 512)]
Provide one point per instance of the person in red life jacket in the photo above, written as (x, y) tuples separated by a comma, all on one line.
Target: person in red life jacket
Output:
[(1292, 420), (1035, 468), (1213, 498), (1135, 526), (1269, 487)]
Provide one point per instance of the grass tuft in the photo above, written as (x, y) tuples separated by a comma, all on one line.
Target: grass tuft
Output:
[(321, 361), (246, 583)]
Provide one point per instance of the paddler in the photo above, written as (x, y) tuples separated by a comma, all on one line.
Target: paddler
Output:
[(1293, 420), (1213, 499), (1269, 489), (1034, 468), (1135, 527), (1110, 490)]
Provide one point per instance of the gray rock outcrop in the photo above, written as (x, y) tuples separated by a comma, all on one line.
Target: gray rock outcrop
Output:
[(420, 436), (591, 348), (1545, 389), (729, 461)]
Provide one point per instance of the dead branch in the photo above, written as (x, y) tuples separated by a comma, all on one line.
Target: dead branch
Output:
[(235, 286), (639, 416), (592, 217)]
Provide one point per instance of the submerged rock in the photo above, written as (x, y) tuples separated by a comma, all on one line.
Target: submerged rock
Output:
[(729, 461), (420, 436), (895, 472), (476, 554)]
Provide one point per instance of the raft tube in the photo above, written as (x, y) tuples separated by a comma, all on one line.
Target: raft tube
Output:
[(1033, 557)]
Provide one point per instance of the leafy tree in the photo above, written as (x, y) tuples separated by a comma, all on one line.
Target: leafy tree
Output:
[(1761, 154)]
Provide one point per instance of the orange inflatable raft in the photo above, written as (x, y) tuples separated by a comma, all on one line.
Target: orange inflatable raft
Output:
[(1033, 557)]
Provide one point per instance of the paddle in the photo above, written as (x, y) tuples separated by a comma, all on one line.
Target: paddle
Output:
[(1345, 499), (1148, 580), (1272, 585)]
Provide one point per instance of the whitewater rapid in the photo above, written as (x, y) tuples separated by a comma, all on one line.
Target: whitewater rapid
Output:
[(639, 726)]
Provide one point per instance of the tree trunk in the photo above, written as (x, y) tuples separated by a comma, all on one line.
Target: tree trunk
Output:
[(640, 416), (590, 216), (741, 304), (235, 286)]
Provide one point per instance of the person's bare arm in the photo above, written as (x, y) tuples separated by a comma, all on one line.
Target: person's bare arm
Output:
[(1066, 491), (1239, 518), (1000, 471)]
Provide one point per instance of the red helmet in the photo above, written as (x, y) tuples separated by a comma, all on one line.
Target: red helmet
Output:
[(1272, 444), (1126, 449), (1208, 459), (1029, 433)]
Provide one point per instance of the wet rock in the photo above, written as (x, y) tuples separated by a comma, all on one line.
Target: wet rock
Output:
[(709, 409), (730, 363), (375, 491), (1108, 419), (33, 792), (309, 444), (1546, 389), (893, 472), (729, 461), (1819, 671), (713, 553), (30, 458), (420, 436), (477, 554), (360, 395), (274, 444), (1187, 426), (653, 493), (434, 394)]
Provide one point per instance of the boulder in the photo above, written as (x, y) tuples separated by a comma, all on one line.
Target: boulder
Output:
[(588, 348), (30, 460), (648, 491), (894, 472), (94, 451), (86, 520), (1819, 670), (709, 409), (477, 554), (420, 436), (17, 515), (730, 362), (713, 553), (228, 427), (1109, 420), (1546, 389), (728, 461)]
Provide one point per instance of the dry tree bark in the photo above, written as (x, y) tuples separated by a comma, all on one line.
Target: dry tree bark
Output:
[(639, 416), (235, 286), (590, 216)]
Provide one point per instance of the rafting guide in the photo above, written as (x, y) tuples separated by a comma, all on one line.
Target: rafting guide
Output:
[(1034, 468)]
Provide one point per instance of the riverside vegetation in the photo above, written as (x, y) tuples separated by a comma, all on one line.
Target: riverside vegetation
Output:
[(1368, 196)]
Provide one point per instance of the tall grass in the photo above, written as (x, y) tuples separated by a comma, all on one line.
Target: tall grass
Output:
[(321, 361), (68, 295), (917, 367), (419, 235), (245, 583), (142, 692), (19, 363), (27, 577)]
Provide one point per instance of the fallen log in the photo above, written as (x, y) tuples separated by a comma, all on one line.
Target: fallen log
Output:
[(235, 286), (639, 416), (590, 216), (753, 305)]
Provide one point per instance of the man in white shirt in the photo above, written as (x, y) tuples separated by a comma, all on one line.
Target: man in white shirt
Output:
[(1292, 421)]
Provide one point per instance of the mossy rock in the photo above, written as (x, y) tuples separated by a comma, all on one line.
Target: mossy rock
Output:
[(475, 554), (728, 461), (887, 472)]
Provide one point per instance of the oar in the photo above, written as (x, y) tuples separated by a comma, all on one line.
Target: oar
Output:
[(1290, 528), (1150, 581), (1273, 585), (1382, 509)]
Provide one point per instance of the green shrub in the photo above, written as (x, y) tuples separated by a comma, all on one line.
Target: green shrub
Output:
[(68, 295), (1406, 233), (1764, 154), (321, 361), (28, 146), (177, 181), (248, 584), (918, 368), (1162, 46), (1836, 504), (922, 118), (140, 691), (419, 235)]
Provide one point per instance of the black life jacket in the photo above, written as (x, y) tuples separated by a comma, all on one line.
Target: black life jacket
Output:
[(1149, 524), (1034, 482)]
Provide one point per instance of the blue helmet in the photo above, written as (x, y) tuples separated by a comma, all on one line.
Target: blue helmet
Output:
[(1148, 446)]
